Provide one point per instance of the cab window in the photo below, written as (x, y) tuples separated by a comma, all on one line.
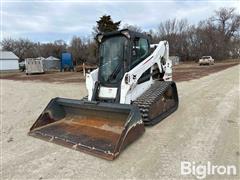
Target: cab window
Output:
[(140, 51)]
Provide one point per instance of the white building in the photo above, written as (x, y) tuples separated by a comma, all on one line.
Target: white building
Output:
[(8, 61)]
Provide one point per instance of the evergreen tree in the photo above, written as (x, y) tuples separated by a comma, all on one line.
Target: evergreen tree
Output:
[(106, 24)]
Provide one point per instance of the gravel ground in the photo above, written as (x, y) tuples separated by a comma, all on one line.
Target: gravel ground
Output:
[(204, 128)]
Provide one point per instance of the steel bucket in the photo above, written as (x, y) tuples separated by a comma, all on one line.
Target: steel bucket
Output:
[(100, 129)]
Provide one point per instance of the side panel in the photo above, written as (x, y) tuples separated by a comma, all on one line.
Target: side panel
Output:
[(138, 91), (34, 66), (168, 70), (9, 65), (130, 79), (91, 78)]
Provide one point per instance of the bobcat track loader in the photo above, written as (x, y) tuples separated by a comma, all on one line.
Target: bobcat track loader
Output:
[(131, 88)]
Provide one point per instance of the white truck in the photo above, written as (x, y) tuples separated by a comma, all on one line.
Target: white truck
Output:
[(206, 60)]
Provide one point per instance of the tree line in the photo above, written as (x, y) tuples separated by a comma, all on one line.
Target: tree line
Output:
[(81, 50), (218, 36)]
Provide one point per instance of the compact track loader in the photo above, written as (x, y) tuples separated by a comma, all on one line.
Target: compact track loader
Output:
[(131, 88)]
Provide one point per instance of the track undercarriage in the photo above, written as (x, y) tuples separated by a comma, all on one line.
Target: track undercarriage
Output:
[(159, 101)]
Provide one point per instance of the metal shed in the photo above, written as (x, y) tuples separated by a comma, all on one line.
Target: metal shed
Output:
[(51, 63), (8, 61)]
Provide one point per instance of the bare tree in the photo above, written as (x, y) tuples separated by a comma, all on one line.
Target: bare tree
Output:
[(228, 21), (8, 44), (75, 48), (217, 36), (59, 47), (22, 47), (176, 33), (133, 28), (52, 49)]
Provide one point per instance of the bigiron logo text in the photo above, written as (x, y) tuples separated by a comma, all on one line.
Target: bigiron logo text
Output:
[(200, 171)]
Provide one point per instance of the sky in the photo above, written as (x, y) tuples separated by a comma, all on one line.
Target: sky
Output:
[(49, 20)]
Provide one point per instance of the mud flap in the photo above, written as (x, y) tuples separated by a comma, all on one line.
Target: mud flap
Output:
[(100, 129)]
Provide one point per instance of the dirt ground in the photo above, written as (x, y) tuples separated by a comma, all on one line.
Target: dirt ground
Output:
[(204, 128), (58, 77), (181, 72), (189, 71)]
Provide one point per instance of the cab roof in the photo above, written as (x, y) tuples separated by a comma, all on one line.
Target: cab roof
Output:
[(132, 34)]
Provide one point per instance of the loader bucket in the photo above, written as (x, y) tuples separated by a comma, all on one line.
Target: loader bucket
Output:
[(100, 129)]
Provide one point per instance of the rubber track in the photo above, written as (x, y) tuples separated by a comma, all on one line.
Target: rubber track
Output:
[(152, 95)]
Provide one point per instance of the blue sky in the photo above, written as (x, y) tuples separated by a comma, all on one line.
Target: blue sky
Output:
[(47, 21)]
